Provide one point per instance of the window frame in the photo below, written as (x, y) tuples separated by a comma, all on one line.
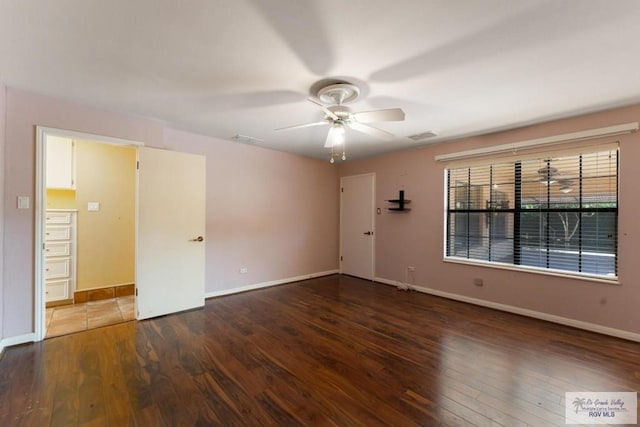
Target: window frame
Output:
[(517, 210)]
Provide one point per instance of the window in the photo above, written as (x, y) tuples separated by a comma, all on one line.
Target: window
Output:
[(551, 213)]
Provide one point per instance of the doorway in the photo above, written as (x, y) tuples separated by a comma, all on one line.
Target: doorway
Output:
[(357, 226), (89, 240)]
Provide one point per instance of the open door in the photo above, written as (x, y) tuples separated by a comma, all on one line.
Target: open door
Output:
[(171, 228), (357, 226)]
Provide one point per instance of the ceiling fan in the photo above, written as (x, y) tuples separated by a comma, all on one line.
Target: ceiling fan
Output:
[(339, 116), (550, 175)]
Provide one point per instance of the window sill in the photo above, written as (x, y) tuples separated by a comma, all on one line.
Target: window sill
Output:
[(534, 270)]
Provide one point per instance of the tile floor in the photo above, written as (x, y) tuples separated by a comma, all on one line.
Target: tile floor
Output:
[(67, 319)]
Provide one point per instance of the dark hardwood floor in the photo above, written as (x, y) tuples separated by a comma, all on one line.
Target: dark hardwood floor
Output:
[(329, 351)]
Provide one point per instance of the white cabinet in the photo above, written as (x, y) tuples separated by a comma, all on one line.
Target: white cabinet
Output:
[(57, 290), (60, 254), (60, 168), (57, 268)]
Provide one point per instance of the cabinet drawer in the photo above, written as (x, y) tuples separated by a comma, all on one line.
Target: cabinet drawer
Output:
[(57, 290), (58, 217), (57, 268), (52, 249), (57, 233)]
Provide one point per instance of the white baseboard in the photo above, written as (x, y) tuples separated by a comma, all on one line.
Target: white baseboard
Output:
[(268, 284), (592, 327), (20, 339)]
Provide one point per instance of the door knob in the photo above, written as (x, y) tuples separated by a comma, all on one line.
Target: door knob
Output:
[(197, 239), (368, 233)]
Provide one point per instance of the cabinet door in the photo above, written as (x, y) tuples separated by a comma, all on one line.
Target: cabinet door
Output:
[(58, 217), (57, 290), (57, 268), (57, 233), (60, 164), (54, 249)]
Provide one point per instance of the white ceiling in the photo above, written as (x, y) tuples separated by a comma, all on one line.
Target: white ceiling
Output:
[(227, 67)]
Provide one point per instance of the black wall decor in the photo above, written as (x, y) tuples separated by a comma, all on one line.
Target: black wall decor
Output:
[(401, 202)]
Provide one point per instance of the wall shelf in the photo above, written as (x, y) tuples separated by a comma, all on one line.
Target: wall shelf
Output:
[(401, 202)]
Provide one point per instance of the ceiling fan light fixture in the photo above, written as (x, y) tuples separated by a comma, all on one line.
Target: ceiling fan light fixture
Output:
[(338, 134), (566, 185), (547, 175), (339, 116)]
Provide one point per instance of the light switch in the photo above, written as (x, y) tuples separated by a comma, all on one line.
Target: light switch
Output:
[(93, 206), (23, 202)]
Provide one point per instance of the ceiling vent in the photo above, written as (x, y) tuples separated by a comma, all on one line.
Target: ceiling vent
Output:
[(246, 139), (421, 136)]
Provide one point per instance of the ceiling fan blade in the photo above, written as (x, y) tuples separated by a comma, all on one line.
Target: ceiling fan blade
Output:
[(390, 115), (325, 109), (306, 125), (316, 52), (369, 130)]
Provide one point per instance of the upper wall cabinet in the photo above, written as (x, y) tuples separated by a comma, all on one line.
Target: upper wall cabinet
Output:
[(60, 163)]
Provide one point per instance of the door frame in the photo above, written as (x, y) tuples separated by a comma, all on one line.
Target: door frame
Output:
[(373, 219), (40, 210)]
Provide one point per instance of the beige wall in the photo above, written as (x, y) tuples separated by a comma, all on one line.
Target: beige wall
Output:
[(61, 199), (416, 238), (106, 239)]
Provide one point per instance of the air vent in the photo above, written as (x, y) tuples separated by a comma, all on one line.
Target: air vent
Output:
[(246, 139), (421, 136)]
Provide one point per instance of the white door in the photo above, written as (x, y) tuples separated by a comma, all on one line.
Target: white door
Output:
[(357, 236), (170, 256)]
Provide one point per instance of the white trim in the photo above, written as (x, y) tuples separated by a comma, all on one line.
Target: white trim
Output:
[(88, 136), (445, 216), (579, 324), (269, 284), (549, 140), (19, 339), (40, 210), (534, 270)]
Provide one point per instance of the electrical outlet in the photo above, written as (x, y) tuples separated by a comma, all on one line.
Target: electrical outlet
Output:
[(478, 281), (244, 270)]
